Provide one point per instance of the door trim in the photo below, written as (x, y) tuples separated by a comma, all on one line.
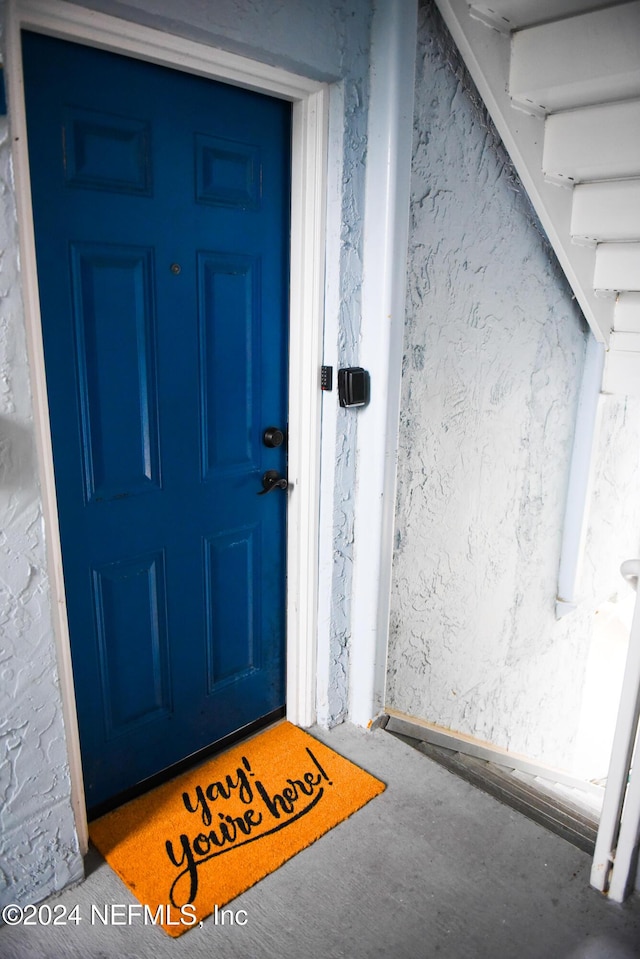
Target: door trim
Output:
[(308, 194)]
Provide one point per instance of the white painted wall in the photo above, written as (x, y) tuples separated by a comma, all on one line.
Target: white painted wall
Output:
[(494, 351), (38, 844), (328, 41)]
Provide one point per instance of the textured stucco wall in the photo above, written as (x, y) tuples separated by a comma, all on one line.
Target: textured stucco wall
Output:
[(38, 845), (494, 351), (319, 40), (329, 41), (348, 118)]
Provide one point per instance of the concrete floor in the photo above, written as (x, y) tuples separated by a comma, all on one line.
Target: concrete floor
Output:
[(433, 868)]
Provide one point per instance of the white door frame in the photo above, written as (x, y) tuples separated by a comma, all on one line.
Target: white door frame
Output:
[(309, 145)]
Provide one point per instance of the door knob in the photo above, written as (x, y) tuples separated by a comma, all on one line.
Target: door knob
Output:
[(272, 480)]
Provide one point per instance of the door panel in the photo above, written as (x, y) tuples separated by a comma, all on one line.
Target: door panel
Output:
[(161, 208), (230, 562), (134, 668), (119, 427), (228, 286)]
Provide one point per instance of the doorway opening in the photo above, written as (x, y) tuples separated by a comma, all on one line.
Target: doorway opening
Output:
[(309, 101)]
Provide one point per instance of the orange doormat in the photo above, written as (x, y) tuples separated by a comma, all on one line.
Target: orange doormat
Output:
[(190, 846)]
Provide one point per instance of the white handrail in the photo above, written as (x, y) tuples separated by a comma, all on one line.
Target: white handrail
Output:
[(630, 569)]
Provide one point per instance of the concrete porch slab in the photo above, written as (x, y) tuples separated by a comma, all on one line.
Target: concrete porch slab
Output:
[(432, 868)]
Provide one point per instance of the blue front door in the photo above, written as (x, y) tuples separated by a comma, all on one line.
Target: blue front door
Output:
[(161, 208)]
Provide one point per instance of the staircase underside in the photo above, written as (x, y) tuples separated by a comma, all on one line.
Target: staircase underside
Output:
[(561, 81)]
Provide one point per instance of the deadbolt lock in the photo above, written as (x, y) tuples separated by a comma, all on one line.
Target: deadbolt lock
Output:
[(273, 437)]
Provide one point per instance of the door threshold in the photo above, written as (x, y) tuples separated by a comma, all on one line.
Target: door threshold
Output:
[(195, 759)]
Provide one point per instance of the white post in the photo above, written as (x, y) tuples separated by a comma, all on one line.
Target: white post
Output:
[(622, 874), (386, 228), (615, 842)]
